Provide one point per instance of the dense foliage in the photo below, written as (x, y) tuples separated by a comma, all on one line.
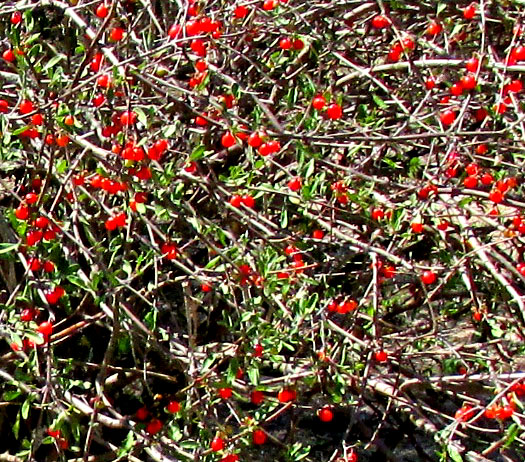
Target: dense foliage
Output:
[(262, 230)]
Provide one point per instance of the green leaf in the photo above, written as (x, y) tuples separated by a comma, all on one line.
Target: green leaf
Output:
[(169, 131), (310, 168), (141, 116), (7, 247), (26, 407), (512, 433), (56, 59), (454, 453), (379, 101), (253, 375), (198, 152), (11, 395)]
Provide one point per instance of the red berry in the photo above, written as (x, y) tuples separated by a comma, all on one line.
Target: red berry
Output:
[(447, 117), (381, 356), (269, 5), (27, 314), (326, 414), (248, 201), (257, 397), (470, 11), (469, 81), (225, 393), (101, 11), (377, 214), (45, 328), (22, 212), (285, 395), (470, 181), (26, 107), (428, 277), (298, 44), (240, 12), (16, 18), (496, 196), (173, 407), (142, 413), (295, 184), (380, 21), (456, 89), (285, 43), (430, 83), (128, 118), (472, 65), (319, 102), (228, 140), (318, 234), (434, 28), (217, 444), (259, 437), (116, 34), (8, 55), (334, 111), (236, 201), (154, 426), (417, 227)]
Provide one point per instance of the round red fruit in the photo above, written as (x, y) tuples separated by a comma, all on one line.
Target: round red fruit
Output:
[(326, 414)]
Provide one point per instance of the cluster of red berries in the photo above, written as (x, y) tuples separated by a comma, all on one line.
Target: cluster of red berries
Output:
[(116, 221), (342, 307), (333, 111)]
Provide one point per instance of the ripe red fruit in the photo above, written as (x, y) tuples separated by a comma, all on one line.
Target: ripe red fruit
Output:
[(472, 65), (16, 18), (381, 356), (255, 140), (259, 437), (464, 413), (295, 184), (430, 83), (487, 178), (326, 414), (428, 277), (101, 11), (318, 234), (236, 200), (298, 44), (142, 413), (248, 201), (116, 34), (154, 426), (26, 107), (49, 266), (22, 212), (225, 393), (62, 140), (285, 43), (285, 395), (380, 21), (257, 397), (470, 11), (470, 181), (45, 328), (469, 81), (228, 140), (173, 407), (319, 102), (447, 117), (417, 227), (41, 222), (8, 55), (27, 314), (269, 5), (128, 118), (377, 214), (169, 250), (217, 444), (240, 11), (456, 89), (334, 111), (434, 28), (104, 81), (496, 196)]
